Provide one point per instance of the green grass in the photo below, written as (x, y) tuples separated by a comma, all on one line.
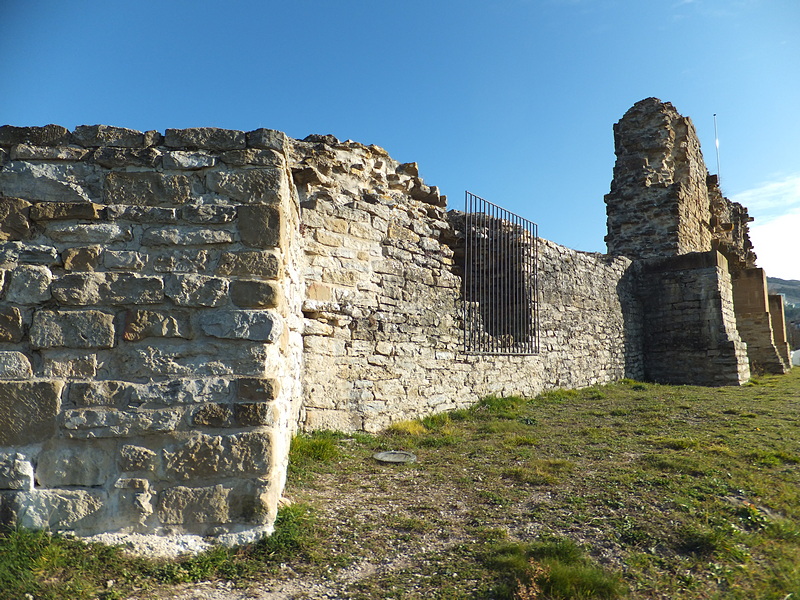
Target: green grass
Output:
[(633, 490)]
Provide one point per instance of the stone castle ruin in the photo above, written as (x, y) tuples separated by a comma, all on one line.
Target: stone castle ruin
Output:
[(174, 307)]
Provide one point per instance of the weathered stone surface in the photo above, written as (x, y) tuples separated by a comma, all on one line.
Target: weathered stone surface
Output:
[(63, 464), (72, 329), (96, 233), (255, 414), (136, 458), (99, 423), (14, 219), (145, 188), (49, 135), (82, 289), (114, 158), (66, 182), (197, 290), (30, 284), (252, 263), (267, 138), (101, 393), (59, 510), (178, 159), (186, 260), (213, 415), (207, 456), (184, 391), (14, 365), (142, 214), (66, 364), (244, 502), (16, 471), (49, 211), (90, 136), (209, 138), (251, 293), (208, 213), (124, 260), (254, 389), (255, 325), (11, 329), (260, 226), (17, 252), (28, 411), (86, 258), (141, 324), (252, 156), (185, 236), (253, 186), (29, 152)]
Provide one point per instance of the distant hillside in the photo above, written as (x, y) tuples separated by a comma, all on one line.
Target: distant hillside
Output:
[(790, 288)]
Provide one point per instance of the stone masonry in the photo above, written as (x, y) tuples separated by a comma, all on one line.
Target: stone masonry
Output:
[(174, 307)]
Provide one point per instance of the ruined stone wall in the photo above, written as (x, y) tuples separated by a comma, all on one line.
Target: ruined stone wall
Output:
[(383, 316), (149, 329), (690, 332)]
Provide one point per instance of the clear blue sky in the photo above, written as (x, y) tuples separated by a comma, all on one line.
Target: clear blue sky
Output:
[(513, 100)]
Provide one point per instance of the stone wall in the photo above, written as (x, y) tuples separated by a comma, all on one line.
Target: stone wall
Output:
[(150, 345)]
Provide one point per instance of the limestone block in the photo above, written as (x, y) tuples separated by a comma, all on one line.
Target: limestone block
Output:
[(211, 456), (14, 219), (142, 214), (29, 152), (86, 258), (178, 159), (46, 181), (178, 358), (213, 415), (208, 213), (255, 414), (252, 156), (255, 325), (30, 284), (180, 261), (124, 260), (114, 158), (146, 188), (333, 420), (104, 135), (251, 293), (61, 364), (185, 391), (28, 411), (209, 138), (72, 329), (49, 135), (59, 510), (267, 138), (254, 389), (17, 252), (185, 236), (14, 365), (244, 502), (250, 263), (16, 471), (253, 186), (11, 329), (136, 458), (196, 290), (81, 289), (52, 211), (94, 233), (102, 423), (64, 464), (141, 324), (101, 393), (260, 226)]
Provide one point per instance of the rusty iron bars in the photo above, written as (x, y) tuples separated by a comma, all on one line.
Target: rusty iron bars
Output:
[(500, 295)]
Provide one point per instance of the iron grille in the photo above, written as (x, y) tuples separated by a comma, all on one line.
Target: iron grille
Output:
[(501, 313)]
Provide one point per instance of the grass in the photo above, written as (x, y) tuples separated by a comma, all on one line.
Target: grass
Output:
[(630, 490)]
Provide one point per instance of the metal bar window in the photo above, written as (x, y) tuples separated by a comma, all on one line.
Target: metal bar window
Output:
[(501, 313)]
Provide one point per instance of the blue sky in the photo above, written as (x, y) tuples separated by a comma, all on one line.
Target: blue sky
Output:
[(513, 100)]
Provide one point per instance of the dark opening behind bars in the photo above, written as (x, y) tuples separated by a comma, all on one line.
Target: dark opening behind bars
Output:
[(501, 313)]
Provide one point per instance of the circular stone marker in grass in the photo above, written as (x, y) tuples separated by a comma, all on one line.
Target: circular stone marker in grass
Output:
[(395, 456)]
